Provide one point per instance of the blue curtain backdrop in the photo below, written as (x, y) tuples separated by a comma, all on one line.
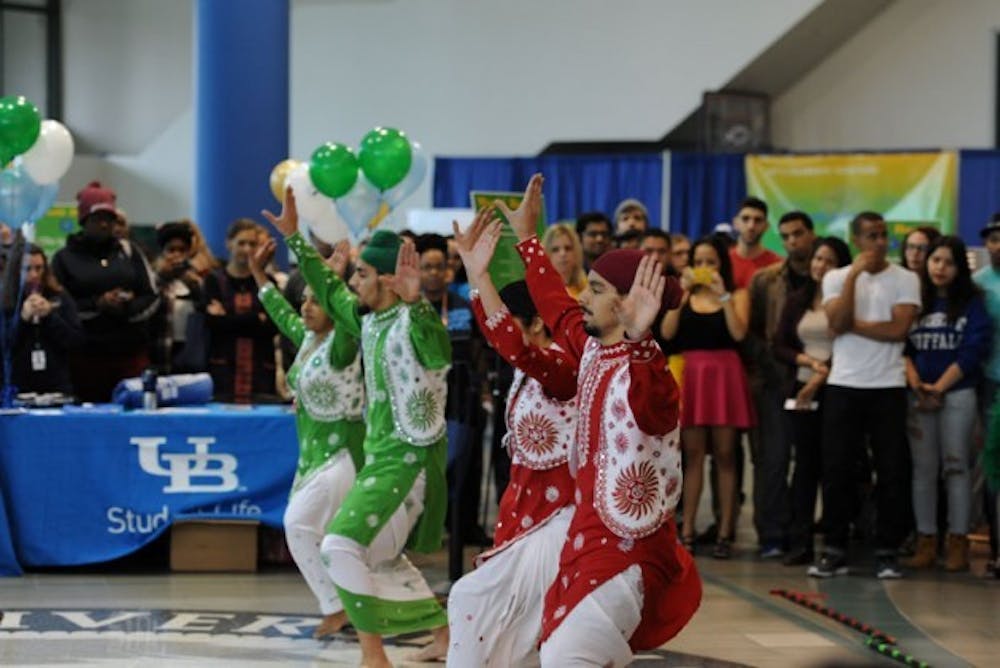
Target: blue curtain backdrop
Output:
[(704, 190), (978, 192), (573, 184)]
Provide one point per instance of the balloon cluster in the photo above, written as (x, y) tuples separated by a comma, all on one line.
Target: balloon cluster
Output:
[(341, 193), (34, 155)]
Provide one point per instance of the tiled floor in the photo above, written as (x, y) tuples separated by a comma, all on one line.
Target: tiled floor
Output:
[(156, 619), (164, 619)]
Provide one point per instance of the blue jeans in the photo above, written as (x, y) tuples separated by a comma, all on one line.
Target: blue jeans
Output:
[(941, 441)]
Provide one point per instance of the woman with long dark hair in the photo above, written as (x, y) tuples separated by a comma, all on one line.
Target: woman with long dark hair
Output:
[(48, 329), (804, 341), (715, 403), (944, 357)]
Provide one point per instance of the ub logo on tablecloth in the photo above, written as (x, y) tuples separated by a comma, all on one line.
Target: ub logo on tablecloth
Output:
[(182, 467)]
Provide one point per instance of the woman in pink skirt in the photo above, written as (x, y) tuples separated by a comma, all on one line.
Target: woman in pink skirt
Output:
[(715, 405)]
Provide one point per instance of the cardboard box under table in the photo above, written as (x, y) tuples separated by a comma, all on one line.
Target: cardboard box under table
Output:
[(214, 545)]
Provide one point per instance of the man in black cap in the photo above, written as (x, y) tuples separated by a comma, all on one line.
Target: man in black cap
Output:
[(988, 278)]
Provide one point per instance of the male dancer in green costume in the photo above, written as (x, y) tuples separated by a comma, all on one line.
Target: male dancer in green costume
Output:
[(329, 420), (400, 495)]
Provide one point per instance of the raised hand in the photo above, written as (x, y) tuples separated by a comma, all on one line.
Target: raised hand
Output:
[(638, 311), (338, 260), (477, 244), (263, 255), (260, 259), (524, 219), (288, 222), (406, 281)]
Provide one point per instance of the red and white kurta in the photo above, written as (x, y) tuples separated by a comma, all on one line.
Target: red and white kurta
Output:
[(495, 612), (541, 425), (628, 470)]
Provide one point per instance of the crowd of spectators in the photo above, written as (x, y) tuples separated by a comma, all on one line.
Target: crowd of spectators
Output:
[(855, 381)]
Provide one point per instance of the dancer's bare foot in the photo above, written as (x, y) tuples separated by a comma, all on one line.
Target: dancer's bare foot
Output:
[(436, 650), (330, 625), (373, 651)]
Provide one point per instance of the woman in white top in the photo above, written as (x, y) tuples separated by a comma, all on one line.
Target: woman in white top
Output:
[(804, 341)]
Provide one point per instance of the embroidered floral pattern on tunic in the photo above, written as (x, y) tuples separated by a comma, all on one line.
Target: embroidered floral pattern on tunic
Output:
[(326, 393), (634, 493), (421, 408), (536, 434), (637, 478)]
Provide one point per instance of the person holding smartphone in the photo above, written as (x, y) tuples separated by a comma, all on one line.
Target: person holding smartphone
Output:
[(715, 403), (804, 341), (180, 293), (48, 330)]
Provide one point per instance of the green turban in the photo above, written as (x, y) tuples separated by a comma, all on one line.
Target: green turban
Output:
[(381, 251)]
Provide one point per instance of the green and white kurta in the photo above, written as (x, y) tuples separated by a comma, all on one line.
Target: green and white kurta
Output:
[(329, 391), (407, 354)]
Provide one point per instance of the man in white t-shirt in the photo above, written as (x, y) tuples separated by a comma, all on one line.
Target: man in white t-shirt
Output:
[(871, 306)]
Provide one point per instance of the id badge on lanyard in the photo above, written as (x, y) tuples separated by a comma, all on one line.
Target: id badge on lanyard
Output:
[(38, 361)]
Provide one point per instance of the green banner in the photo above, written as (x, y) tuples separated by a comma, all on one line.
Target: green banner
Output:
[(506, 266), (908, 189), (52, 229)]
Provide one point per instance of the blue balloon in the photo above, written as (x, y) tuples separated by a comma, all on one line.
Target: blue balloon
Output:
[(19, 196), (359, 206), (46, 198)]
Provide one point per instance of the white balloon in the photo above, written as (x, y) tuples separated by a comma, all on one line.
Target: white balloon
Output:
[(51, 154), (331, 228), (311, 203)]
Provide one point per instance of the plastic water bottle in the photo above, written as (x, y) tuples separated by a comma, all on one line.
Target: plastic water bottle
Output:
[(149, 389)]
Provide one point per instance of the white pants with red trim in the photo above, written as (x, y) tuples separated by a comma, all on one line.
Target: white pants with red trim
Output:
[(495, 612), (596, 632), (309, 510)]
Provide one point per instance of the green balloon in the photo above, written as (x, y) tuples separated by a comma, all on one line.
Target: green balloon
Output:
[(20, 124), (385, 157), (333, 169)]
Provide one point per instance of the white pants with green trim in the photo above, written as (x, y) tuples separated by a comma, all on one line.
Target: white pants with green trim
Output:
[(309, 510), (381, 570), (495, 612), (596, 632)]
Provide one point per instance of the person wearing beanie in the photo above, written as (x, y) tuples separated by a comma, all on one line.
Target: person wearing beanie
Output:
[(326, 380), (987, 278), (495, 612), (624, 583), (631, 215), (180, 289), (114, 294), (400, 496)]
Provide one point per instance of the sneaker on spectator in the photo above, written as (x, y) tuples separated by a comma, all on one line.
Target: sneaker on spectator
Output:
[(771, 551), (887, 567), (829, 564)]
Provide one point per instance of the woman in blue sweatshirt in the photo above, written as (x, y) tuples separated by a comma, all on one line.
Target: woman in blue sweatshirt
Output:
[(944, 358)]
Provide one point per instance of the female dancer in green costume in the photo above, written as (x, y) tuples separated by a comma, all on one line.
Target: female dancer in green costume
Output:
[(400, 496), (329, 400)]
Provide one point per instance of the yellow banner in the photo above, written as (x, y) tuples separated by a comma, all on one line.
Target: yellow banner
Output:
[(908, 189)]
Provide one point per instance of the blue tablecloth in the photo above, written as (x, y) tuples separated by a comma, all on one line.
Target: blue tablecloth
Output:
[(84, 487)]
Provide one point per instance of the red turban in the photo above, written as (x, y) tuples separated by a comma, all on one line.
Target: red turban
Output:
[(618, 268)]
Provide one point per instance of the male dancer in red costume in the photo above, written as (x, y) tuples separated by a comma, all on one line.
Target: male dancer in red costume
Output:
[(495, 612), (624, 582)]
